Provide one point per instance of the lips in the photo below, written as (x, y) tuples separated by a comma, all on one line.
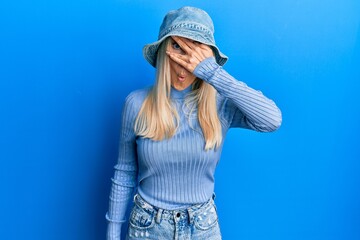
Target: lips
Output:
[(181, 78)]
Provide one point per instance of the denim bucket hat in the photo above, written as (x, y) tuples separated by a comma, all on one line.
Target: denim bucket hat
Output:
[(188, 22)]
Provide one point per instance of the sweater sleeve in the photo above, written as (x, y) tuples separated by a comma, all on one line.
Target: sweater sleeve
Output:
[(249, 108), (125, 175)]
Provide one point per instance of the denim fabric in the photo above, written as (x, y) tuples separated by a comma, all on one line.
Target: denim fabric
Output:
[(197, 222), (189, 22)]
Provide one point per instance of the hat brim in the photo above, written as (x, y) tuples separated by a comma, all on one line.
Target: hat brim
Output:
[(150, 50)]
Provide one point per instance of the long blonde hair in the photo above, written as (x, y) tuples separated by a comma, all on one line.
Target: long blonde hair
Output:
[(158, 119)]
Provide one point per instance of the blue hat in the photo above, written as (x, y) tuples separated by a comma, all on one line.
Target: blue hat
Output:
[(188, 22)]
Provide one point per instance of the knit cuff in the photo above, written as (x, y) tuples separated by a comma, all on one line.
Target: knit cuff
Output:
[(206, 69)]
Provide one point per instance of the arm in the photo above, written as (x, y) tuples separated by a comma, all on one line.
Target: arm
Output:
[(251, 109), (125, 175)]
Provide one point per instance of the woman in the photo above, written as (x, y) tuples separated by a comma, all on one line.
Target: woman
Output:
[(172, 134)]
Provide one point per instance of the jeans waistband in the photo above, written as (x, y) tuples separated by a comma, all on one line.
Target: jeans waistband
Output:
[(159, 212)]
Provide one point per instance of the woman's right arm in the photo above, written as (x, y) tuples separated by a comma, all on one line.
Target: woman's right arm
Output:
[(125, 176)]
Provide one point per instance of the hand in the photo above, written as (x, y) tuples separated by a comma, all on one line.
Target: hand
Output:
[(194, 53)]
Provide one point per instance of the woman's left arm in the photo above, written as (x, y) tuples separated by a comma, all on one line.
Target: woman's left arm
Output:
[(253, 109)]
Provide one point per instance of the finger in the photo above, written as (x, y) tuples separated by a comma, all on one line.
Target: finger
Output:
[(194, 51), (184, 46), (205, 47), (203, 51), (206, 50), (193, 45), (200, 51), (185, 58), (182, 60)]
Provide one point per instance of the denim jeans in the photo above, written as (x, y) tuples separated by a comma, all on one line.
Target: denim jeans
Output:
[(197, 222)]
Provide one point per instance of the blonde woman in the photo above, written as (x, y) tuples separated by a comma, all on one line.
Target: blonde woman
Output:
[(172, 134)]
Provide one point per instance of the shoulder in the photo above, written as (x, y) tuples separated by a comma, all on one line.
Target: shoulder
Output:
[(138, 96), (135, 99)]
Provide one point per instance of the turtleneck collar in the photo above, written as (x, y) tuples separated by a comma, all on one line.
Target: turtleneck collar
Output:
[(179, 94)]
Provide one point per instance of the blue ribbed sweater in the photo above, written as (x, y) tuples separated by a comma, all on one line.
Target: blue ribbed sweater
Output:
[(178, 172)]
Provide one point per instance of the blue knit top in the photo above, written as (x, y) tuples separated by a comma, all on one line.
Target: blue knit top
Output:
[(178, 172)]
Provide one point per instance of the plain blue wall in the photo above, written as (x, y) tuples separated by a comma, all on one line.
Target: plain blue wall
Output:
[(66, 67)]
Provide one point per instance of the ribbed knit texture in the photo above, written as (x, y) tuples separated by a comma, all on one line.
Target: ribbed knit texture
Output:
[(178, 172)]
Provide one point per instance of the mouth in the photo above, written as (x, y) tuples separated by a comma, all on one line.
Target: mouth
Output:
[(181, 78)]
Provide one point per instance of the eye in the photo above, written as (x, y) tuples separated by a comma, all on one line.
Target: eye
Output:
[(176, 46)]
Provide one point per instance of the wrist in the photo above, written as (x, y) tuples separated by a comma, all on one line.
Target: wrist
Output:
[(206, 68)]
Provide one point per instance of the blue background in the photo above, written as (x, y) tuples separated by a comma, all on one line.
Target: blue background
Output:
[(66, 67)]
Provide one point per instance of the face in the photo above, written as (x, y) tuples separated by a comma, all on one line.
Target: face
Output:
[(180, 77)]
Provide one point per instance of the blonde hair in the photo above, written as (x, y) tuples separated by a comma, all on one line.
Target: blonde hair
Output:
[(158, 119)]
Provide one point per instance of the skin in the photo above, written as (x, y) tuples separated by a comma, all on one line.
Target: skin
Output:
[(185, 55)]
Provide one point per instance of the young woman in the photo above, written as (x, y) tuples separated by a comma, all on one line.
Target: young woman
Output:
[(172, 134)]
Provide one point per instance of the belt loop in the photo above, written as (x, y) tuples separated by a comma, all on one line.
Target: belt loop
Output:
[(158, 215), (190, 215)]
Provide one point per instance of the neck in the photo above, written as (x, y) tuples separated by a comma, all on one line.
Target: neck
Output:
[(176, 93)]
